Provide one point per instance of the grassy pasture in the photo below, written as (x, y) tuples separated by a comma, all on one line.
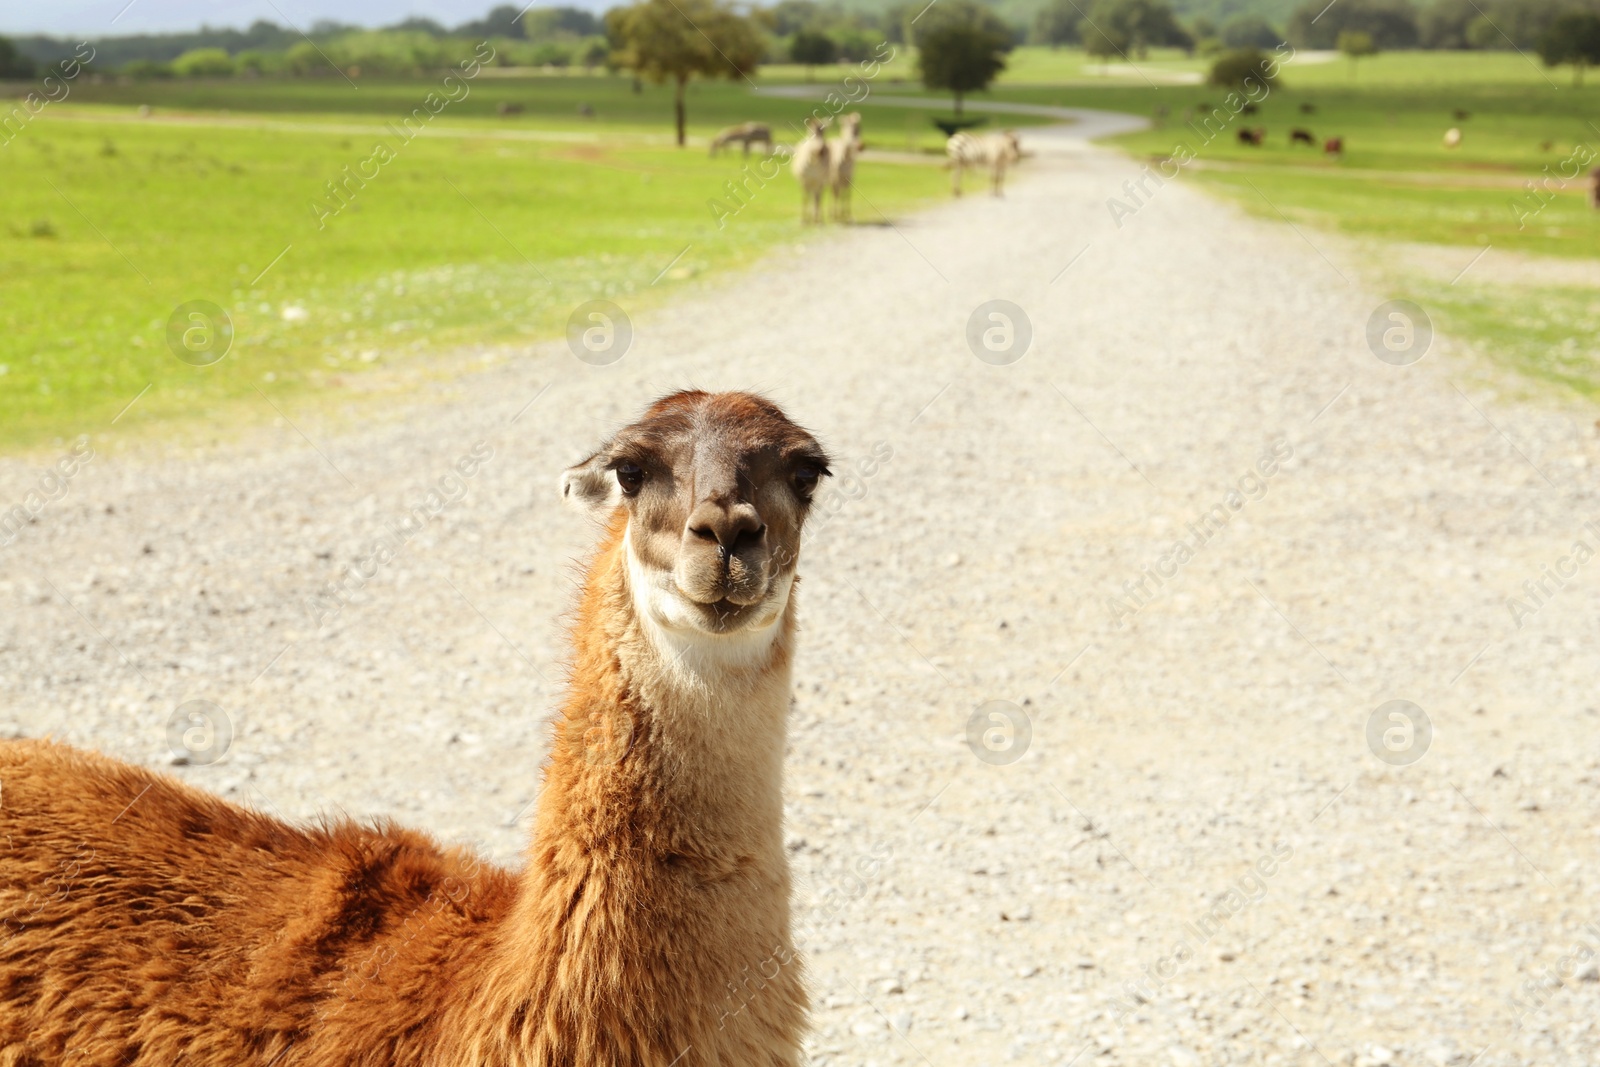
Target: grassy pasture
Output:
[(484, 229), (491, 227)]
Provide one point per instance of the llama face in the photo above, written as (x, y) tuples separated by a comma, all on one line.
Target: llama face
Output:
[(716, 487)]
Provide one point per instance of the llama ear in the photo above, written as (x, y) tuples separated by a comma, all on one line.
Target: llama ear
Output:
[(590, 486)]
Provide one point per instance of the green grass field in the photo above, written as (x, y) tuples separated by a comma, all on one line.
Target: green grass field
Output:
[(492, 227), (482, 230)]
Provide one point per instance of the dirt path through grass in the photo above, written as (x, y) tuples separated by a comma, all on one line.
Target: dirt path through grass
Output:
[(1195, 538)]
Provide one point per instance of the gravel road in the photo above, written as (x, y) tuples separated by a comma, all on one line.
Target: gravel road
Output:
[(1040, 813)]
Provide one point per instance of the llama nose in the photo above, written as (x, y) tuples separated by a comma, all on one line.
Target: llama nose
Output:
[(732, 527)]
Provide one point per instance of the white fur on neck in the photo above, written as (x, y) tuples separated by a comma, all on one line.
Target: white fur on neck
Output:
[(668, 617)]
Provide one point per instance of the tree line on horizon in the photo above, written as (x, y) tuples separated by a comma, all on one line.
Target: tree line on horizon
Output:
[(814, 33), (960, 46)]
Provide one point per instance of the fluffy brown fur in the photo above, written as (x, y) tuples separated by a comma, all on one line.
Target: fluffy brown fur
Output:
[(144, 923)]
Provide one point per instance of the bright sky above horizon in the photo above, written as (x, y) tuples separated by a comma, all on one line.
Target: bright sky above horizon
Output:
[(116, 18)]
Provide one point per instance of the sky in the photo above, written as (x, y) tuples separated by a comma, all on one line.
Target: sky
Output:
[(115, 18)]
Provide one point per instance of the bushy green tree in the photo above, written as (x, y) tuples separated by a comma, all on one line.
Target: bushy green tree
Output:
[(1355, 44), (1572, 38), (1238, 68), (812, 48), (502, 21), (676, 40), (13, 64), (203, 63), (789, 17), (961, 47), (1317, 24), (1250, 31), (1056, 24), (1443, 23), (1115, 28)]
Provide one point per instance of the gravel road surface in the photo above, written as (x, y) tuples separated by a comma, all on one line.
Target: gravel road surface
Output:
[(1094, 758)]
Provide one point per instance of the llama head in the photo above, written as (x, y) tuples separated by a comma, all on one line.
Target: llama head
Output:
[(715, 488)]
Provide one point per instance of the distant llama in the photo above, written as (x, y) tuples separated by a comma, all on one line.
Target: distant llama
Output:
[(994, 151), (811, 165), (746, 134), (842, 152), (145, 923)]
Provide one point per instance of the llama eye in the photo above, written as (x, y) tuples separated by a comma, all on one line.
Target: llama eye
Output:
[(805, 480), (630, 478)]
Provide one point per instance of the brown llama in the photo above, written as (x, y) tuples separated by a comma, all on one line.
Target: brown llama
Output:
[(144, 923)]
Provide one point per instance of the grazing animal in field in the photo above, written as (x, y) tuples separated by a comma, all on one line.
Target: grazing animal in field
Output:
[(507, 108), (1298, 136), (1452, 137), (1594, 188), (1308, 108), (746, 134), (146, 923), (842, 152), (1250, 108), (1253, 136), (1333, 146), (1462, 115), (996, 151), (812, 166)]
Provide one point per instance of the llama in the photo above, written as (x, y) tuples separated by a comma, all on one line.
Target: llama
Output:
[(746, 134), (144, 923), (1594, 188), (811, 166), (1452, 137), (997, 151), (842, 152)]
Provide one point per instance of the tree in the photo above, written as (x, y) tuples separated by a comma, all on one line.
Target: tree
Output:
[(674, 40), (13, 64), (503, 21), (1117, 27), (1572, 38), (811, 48), (203, 63), (1355, 44), (1236, 69), (791, 16), (961, 46), (1443, 23), (594, 55), (1249, 31), (1392, 23), (1056, 24)]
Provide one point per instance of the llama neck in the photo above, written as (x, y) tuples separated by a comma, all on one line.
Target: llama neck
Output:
[(656, 880), (682, 735), (656, 876)]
